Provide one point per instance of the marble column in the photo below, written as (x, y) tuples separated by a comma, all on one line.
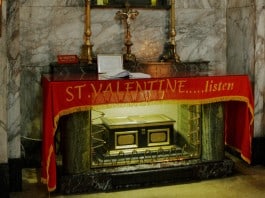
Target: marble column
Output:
[(259, 69), (4, 170), (246, 54), (13, 95), (259, 82), (3, 91)]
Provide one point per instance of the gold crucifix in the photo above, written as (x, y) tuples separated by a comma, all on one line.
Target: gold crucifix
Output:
[(126, 16)]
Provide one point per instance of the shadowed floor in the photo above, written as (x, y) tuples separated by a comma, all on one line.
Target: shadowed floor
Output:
[(246, 181)]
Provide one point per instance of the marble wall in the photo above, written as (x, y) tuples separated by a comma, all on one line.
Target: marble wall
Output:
[(201, 31), (13, 79), (49, 28), (245, 52), (3, 90), (241, 36), (40, 30), (259, 80)]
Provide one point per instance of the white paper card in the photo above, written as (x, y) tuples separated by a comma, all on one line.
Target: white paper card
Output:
[(110, 64)]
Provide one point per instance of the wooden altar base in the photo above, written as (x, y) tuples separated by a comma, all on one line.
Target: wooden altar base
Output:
[(122, 179)]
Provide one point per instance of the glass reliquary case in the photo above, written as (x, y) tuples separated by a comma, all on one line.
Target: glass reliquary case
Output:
[(144, 134), (130, 134)]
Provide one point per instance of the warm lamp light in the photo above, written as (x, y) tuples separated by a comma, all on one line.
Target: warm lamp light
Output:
[(153, 2)]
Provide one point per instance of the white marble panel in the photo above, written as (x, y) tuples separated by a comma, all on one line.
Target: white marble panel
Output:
[(149, 34), (49, 31), (52, 3), (13, 86), (259, 124), (31, 102), (206, 4), (260, 35), (240, 40), (107, 32), (239, 3), (201, 35), (259, 91), (3, 90)]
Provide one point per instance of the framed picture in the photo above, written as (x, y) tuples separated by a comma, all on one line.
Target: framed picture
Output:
[(109, 63)]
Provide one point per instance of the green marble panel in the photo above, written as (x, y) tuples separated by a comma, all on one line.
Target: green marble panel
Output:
[(189, 129), (213, 131), (75, 133)]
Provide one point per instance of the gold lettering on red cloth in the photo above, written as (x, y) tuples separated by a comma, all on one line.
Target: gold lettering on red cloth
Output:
[(74, 92), (128, 91), (62, 97), (212, 86)]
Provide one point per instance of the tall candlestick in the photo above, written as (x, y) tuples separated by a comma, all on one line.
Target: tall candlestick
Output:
[(87, 47), (173, 32)]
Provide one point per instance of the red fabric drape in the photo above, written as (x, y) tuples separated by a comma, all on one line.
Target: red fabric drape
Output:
[(68, 95), (238, 130)]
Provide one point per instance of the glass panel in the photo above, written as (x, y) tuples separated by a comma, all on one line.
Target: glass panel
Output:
[(145, 133)]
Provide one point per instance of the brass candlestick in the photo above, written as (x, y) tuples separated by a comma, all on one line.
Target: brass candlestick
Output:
[(173, 44), (126, 16), (86, 54)]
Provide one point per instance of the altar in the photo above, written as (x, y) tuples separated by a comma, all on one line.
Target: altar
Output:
[(109, 161)]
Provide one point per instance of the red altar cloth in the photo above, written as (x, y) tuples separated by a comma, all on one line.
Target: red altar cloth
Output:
[(65, 95)]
